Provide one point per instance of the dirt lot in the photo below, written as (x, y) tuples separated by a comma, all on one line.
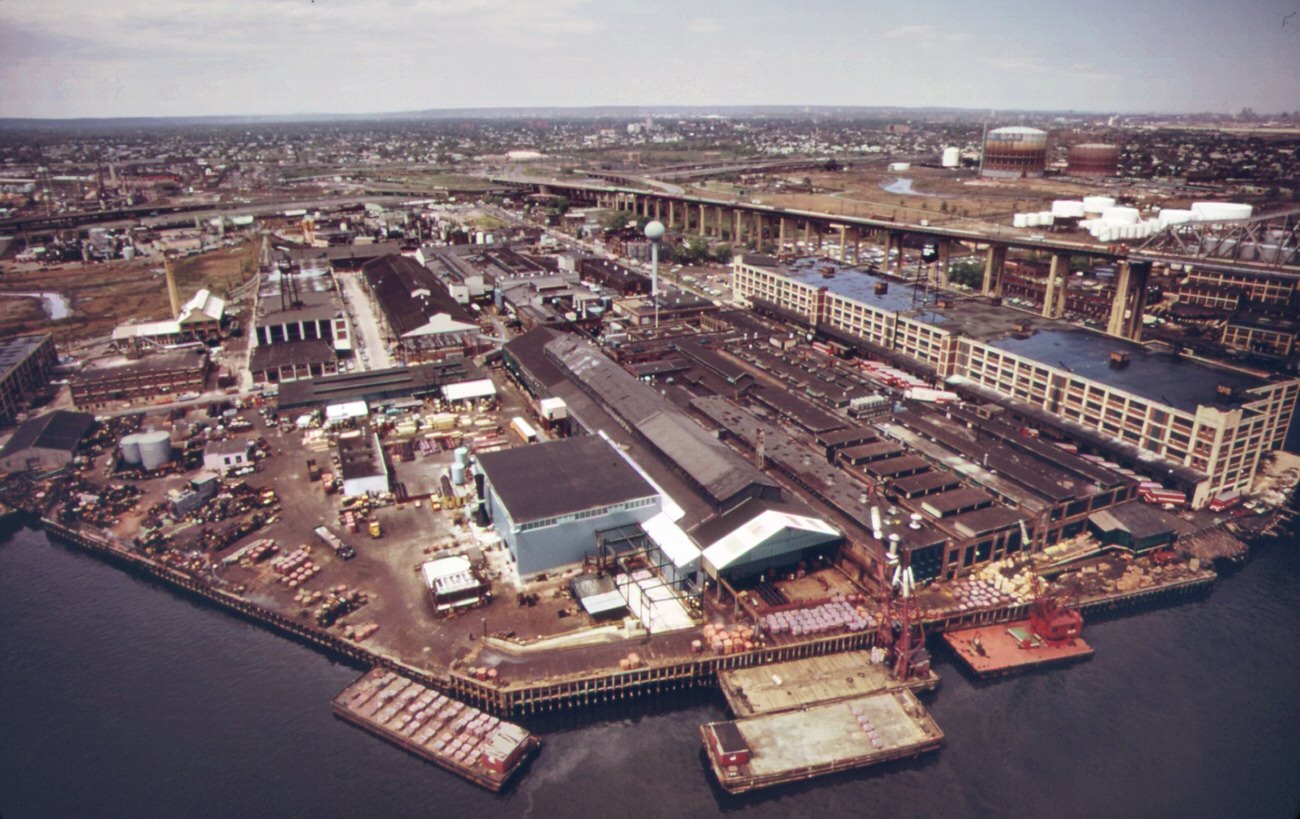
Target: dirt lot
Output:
[(940, 196), (104, 295)]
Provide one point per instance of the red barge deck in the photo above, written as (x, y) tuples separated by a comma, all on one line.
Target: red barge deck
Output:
[(996, 651)]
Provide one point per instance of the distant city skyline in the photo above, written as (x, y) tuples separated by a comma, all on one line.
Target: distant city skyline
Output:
[(132, 58)]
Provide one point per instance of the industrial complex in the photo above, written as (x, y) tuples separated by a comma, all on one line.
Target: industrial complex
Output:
[(590, 436)]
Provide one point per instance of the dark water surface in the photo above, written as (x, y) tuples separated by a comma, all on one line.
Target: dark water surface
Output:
[(120, 697)]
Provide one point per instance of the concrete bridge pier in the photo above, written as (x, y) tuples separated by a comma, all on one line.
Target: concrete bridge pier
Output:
[(1130, 289), (995, 259), (1057, 276)]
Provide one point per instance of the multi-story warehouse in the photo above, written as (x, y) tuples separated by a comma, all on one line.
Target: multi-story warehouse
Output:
[(25, 366), (172, 373), (1261, 333), (1200, 428), (1256, 287)]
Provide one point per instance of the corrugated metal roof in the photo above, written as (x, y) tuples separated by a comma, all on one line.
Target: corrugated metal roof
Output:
[(758, 531)]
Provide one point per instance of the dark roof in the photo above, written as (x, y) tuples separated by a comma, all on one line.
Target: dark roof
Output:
[(982, 521), (358, 457), (717, 470), (286, 353), (409, 294), (16, 350), (890, 467), (61, 430), (926, 482), (946, 503), (1158, 377), (1138, 519), (851, 436), (374, 385), (803, 412), (529, 352), (715, 529), (561, 477), (342, 253), (169, 361)]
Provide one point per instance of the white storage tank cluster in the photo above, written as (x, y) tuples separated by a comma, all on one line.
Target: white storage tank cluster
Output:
[(1119, 224), (1042, 218), (951, 157)]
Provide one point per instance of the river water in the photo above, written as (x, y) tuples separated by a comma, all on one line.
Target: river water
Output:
[(121, 697)]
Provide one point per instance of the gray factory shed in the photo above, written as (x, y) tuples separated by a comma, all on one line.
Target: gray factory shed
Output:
[(548, 500), (1134, 525), (45, 443)]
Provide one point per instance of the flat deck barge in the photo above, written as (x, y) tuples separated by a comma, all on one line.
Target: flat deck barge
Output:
[(431, 725), (996, 651), (769, 689), (791, 746)]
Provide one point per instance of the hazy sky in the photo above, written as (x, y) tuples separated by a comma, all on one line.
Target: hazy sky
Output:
[(63, 58)]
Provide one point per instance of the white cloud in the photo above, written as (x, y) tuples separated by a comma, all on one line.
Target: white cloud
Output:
[(926, 36)]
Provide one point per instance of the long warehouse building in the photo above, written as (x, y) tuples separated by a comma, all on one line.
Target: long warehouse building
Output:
[(1192, 425)]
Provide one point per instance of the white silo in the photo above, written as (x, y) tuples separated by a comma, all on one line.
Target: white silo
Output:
[(1094, 205), (951, 157), (155, 448), (131, 449), (1220, 211)]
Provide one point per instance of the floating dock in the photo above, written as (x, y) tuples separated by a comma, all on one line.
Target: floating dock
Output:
[(459, 737), (791, 746), (996, 651), (800, 683)]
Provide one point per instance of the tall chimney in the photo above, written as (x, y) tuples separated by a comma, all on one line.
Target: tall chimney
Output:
[(171, 288)]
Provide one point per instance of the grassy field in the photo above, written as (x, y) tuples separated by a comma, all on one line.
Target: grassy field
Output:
[(105, 295)]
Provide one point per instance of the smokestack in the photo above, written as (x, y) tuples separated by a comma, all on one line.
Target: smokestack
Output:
[(172, 294)]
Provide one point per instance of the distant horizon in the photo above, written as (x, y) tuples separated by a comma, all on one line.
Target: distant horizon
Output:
[(597, 111), (70, 60)]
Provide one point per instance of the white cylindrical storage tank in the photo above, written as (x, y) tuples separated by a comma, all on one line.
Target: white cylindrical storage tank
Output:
[(1120, 215), (951, 157), (155, 448), (1220, 211), (897, 167), (1046, 218), (1097, 204), (1020, 220), (1014, 152), (131, 449), (457, 474), (1174, 216), (461, 455), (1068, 208)]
